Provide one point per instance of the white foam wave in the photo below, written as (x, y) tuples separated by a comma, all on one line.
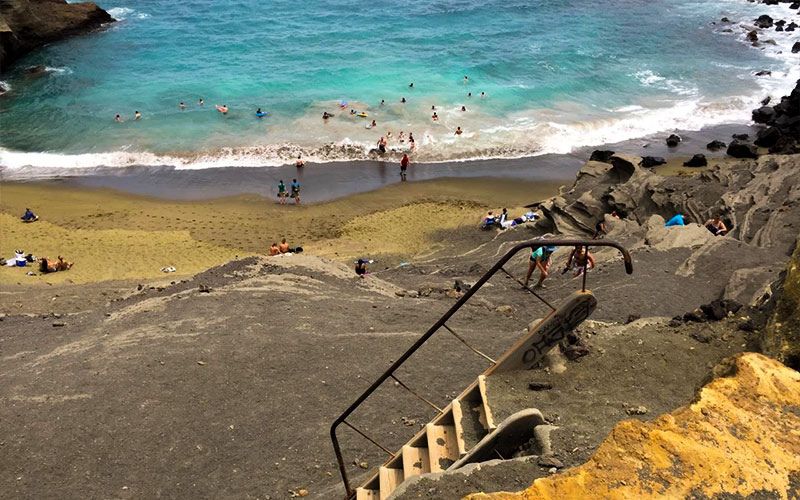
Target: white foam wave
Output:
[(648, 78), (4, 87), (59, 71), (122, 13)]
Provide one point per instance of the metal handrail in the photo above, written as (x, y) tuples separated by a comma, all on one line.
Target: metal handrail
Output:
[(436, 326)]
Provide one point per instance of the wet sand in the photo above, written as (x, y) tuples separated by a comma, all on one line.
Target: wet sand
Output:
[(329, 181)]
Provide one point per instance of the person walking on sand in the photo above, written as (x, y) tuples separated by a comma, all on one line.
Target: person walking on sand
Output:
[(403, 167), (296, 191), (281, 192), (539, 259)]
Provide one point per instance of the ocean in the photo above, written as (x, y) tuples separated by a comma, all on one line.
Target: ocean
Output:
[(556, 76)]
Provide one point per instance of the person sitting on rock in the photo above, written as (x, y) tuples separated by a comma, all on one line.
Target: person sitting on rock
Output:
[(579, 260), (716, 226), (29, 216), (677, 220), (274, 250), (283, 247)]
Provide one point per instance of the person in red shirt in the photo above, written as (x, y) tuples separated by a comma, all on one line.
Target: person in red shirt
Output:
[(403, 167)]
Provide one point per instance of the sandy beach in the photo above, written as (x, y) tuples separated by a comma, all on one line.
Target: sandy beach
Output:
[(111, 235)]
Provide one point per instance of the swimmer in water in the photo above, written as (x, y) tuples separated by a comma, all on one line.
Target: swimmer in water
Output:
[(433, 108), (401, 137), (182, 106), (411, 140), (201, 102), (223, 109), (388, 133), (326, 115), (459, 131), (463, 108), (403, 100), (382, 145), (373, 124), (435, 117), (259, 112), (300, 162), (383, 102), (118, 119), (352, 111), (466, 79), (137, 115), (469, 94), (483, 94), (411, 85)]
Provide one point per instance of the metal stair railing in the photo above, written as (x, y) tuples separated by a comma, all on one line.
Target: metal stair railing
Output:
[(389, 373)]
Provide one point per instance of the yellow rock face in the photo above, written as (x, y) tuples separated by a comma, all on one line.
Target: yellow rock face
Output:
[(741, 436)]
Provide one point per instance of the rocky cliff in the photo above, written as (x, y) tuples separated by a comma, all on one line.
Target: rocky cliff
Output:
[(28, 24), (781, 337), (714, 448)]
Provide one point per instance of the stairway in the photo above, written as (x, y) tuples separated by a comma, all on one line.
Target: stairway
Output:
[(468, 417)]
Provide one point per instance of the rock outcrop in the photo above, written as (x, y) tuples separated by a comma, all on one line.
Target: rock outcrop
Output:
[(783, 121), (28, 24), (714, 448), (781, 337)]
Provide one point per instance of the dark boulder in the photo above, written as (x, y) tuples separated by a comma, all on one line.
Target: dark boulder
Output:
[(766, 100), (764, 73), (780, 23), (741, 137), (764, 21), (698, 160), (768, 137), (764, 114), (795, 5), (651, 161), (601, 155), (673, 140), (778, 28), (29, 24), (796, 48), (791, 26), (715, 145), (752, 36), (724, 20), (719, 309), (741, 149)]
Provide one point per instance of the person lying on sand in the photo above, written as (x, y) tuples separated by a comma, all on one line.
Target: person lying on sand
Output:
[(52, 266), (29, 216), (579, 259), (283, 247), (716, 226), (222, 109), (274, 250)]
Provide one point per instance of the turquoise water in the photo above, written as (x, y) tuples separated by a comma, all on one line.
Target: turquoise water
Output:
[(556, 75)]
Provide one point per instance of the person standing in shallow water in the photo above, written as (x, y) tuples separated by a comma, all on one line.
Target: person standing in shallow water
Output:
[(403, 167)]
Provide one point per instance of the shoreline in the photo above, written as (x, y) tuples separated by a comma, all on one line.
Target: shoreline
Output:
[(333, 180)]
